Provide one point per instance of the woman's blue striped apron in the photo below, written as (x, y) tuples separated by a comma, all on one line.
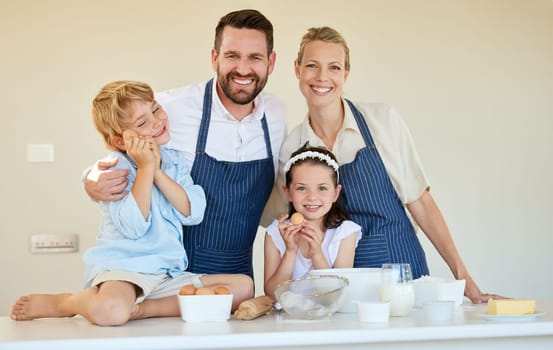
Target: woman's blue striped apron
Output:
[(236, 193), (370, 198)]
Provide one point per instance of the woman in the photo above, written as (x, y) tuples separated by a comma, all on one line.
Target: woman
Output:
[(380, 169)]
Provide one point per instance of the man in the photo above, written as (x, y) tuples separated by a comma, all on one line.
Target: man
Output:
[(231, 132)]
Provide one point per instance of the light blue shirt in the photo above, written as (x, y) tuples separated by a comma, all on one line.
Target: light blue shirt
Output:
[(128, 242)]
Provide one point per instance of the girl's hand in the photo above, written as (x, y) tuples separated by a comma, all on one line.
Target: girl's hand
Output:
[(139, 148), (289, 233), (314, 238)]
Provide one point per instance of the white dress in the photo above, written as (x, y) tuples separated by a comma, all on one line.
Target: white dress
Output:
[(330, 245)]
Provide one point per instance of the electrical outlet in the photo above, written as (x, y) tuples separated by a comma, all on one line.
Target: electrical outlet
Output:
[(58, 243)]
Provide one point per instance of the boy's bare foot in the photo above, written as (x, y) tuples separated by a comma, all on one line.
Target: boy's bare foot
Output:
[(33, 306)]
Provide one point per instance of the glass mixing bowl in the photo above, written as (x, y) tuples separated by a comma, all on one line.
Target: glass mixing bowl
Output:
[(312, 297)]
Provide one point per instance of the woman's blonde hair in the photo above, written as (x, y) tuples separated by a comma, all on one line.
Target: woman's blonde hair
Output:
[(110, 107), (326, 34)]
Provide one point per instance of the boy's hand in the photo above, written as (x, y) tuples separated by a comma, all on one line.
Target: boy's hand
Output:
[(139, 148), (157, 155)]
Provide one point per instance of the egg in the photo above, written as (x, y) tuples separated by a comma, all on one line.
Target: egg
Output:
[(296, 218), (204, 291), (221, 290), (187, 290)]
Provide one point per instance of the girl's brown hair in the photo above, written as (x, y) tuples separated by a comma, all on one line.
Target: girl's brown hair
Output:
[(336, 215)]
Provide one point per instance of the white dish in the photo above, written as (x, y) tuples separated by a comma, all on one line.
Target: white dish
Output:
[(373, 311), (439, 310), (435, 288), (512, 318), (205, 308)]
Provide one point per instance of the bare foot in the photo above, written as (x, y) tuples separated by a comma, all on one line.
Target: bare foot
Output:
[(33, 306)]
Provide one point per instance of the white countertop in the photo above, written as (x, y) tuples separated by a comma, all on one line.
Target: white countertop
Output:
[(279, 331)]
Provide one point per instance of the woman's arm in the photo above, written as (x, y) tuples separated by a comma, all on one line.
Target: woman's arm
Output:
[(426, 213)]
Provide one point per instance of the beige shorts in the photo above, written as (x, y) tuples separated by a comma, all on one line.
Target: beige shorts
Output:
[(150, 286)]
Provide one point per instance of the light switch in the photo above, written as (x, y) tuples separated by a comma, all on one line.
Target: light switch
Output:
[(40, 152)]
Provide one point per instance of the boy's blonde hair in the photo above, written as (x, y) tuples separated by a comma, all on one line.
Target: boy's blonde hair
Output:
[(327, 35), (110, 107)]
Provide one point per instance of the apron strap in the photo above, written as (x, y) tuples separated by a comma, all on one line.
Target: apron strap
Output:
[(206, 117), (267, 137), (369, 142)]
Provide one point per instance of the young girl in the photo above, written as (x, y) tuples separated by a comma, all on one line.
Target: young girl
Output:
[(325, 238)]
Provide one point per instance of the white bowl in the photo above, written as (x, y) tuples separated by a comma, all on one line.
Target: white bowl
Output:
[(363, 285), (205, 308), (439, 310), (436, 288), (373, 311)]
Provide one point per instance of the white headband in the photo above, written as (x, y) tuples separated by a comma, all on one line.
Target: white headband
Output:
[(313, 155)]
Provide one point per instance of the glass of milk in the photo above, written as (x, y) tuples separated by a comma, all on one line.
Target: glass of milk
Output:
[(397, 288)]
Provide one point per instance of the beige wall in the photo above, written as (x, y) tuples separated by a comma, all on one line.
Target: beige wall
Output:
[(473, 79)]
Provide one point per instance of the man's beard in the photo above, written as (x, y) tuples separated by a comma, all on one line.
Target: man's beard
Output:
[(241, 96)]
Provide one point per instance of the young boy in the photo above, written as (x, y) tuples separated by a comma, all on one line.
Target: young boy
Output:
[(139, 253)]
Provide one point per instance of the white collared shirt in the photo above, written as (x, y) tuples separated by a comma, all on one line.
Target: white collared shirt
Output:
[(228, 139)]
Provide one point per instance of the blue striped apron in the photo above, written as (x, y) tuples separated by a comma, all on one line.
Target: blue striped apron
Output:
[(370, 198), (236, 193)]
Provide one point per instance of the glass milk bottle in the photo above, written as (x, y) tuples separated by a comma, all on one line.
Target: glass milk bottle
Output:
[(397, 288)]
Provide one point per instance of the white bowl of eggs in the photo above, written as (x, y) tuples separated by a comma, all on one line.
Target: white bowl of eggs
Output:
[(205, 304)]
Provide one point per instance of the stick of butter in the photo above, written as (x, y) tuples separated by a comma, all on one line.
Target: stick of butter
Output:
[(511, 306)]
